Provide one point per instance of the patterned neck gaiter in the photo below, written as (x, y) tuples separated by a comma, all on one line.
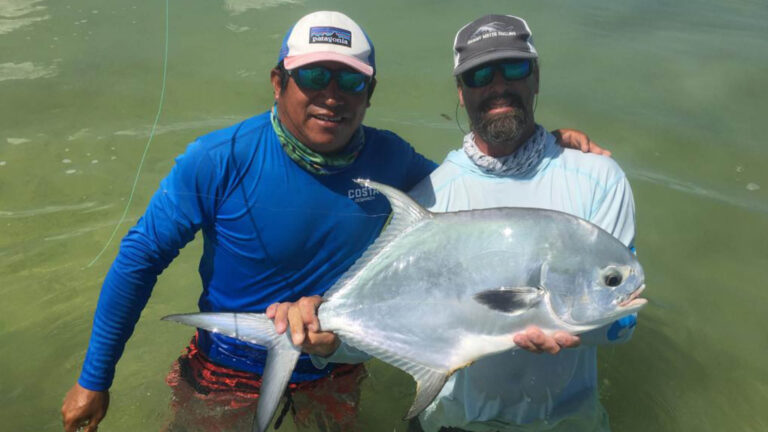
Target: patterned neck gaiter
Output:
[(518, 163), (313, 161)]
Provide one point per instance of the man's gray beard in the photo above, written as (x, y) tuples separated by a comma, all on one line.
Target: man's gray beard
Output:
[(503, 130)]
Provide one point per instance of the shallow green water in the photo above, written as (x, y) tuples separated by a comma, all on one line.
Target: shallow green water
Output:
[(676, 89)]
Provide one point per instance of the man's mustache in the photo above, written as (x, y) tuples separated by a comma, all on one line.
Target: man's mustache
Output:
[(501, 99)]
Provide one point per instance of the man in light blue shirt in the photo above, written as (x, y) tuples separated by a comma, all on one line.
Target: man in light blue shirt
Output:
[(507, 160)]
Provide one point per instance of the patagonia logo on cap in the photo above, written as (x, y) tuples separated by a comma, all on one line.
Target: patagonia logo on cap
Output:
[(330, 35)]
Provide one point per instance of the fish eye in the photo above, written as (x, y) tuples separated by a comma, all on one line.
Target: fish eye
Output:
[(612, 278)]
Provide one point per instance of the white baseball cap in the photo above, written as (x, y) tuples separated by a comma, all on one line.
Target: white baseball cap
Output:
[(327, 36)]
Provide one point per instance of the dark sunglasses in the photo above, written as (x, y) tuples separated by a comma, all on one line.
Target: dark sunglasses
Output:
[(482, 75), (319, 77)]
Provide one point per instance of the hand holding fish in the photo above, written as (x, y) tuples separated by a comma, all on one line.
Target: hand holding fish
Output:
[(301, 318), (533, 339)]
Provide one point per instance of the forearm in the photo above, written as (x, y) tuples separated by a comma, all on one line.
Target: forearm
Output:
[(119, 307), (124, 293)]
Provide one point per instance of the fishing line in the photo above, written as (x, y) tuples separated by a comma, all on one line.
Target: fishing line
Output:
[(146, 147)]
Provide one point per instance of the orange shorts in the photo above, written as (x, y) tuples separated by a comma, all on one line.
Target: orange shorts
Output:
[(211, 398)]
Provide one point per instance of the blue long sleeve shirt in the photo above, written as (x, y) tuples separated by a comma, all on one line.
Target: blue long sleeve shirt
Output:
[(272, 232)]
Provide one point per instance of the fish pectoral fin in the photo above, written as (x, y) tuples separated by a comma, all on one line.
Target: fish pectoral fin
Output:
[(429, 382), (509, 300), (281, 360)]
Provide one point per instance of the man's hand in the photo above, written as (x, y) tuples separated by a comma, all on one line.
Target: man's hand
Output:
[(301, 318), (533, 339), (83, 408), (572, 138)]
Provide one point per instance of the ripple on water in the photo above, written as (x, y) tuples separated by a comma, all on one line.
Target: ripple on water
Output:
[(26, 70), (17, 14), (753, 187), (237, 7), (16, 141)]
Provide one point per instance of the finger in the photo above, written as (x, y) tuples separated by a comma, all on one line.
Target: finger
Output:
[(595, 148), (281, 317), (76, 425), (521, 340), (320, 343), (541, 341), (584, 144), (271, 310), (566, 340), (296, 323), (308, 307)]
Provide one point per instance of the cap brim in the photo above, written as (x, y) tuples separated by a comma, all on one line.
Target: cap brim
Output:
[(492, 56), (292, 62)]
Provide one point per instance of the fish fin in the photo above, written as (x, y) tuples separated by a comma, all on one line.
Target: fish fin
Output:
[(405, 213), (281, 360), (249, 327), (429, 382), (255, 328), (509, 300)]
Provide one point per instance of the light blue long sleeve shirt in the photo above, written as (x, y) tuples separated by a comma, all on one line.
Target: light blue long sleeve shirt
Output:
[(519, 390)]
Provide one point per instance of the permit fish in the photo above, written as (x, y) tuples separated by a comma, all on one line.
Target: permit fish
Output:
[(437, 291)]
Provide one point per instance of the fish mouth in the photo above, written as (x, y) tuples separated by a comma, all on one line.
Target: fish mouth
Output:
[(634, 300)]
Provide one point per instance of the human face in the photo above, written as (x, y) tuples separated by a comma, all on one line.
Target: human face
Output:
[(323, 120), (501, 113)]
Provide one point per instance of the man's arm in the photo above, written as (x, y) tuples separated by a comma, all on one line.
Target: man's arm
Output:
[(173, 216)]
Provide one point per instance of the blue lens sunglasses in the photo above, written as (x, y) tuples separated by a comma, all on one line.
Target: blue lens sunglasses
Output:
[(319, 77), (511, 70)]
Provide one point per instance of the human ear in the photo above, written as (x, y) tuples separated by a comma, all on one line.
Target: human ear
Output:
[(276, 77)]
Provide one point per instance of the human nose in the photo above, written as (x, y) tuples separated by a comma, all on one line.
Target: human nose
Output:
[(331, 95)]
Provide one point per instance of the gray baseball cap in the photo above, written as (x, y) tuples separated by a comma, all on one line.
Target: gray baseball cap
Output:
[(489, 38)]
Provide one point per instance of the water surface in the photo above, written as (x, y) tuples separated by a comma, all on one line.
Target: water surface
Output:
[(676, 89)]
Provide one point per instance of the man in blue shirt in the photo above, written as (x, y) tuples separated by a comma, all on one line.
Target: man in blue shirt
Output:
[(281, 219)]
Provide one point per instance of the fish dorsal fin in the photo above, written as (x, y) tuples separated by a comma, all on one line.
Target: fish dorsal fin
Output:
[(405, 214), (429, 380), (510, 300), (255, 328), (405, 211)]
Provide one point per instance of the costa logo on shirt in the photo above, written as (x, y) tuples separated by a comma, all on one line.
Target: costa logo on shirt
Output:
[(362, 194), (330, 35)]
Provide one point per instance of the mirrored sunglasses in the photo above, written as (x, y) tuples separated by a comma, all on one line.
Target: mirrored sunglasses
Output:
[(483, 75), (319, 77)]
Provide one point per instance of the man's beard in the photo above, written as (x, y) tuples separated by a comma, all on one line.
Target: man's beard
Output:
[(500, 130)]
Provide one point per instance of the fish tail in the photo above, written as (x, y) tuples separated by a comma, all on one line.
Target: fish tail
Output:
[(281, 359), (282, 355)]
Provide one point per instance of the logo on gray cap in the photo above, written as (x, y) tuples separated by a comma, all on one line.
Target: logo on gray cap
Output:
[(493, 29)]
